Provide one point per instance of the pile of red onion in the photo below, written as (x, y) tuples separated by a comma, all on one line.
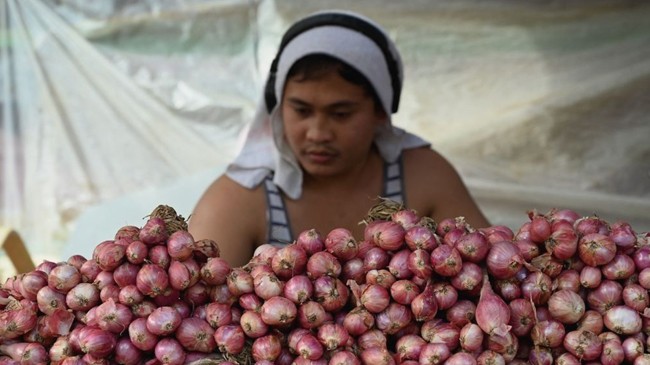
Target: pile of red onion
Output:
[(561, 289)]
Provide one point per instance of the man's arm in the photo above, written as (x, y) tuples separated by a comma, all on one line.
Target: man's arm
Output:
[(439, 188), (232, 216)]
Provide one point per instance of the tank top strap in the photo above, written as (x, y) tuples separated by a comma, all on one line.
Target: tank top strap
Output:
[(394, 181), (279, 229)]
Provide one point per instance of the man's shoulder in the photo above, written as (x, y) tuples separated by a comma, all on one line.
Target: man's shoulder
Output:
[(224, 190)]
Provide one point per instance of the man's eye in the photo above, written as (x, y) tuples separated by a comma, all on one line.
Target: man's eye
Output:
[(341, 115), (301, 111)]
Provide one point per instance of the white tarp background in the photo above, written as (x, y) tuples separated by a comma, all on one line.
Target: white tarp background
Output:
[(110, 107)]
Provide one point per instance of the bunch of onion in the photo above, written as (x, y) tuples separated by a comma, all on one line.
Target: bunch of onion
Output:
[(409, 291), (134, 301)]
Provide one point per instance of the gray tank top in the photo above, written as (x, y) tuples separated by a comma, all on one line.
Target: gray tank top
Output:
[(279, 229)]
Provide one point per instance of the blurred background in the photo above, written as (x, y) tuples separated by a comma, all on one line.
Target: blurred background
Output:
[(111, 107)]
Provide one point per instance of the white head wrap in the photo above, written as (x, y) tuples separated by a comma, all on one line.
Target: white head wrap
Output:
[(265, 149)]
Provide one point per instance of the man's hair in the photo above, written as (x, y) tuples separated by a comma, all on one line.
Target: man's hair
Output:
[(316, 65)]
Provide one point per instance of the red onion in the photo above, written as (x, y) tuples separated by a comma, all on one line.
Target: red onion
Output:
[(644, 278), (353, 270), (507, 345), (591, 321), (389, 235), (140, 336), (89, 271), (267, 285), (136, 252), (311, 241), (583, 344), (404, 291), (540, 227), (434, 353), (32, 282), (596, 249), (376, 258), (547, 264), (566, 306), (126, 353), (438, 331), (453, 235), (446, 260), (63, 278), (527, 248), (103, 279), (471, 337), (504, 260), (49, 300), (612, 353), (607, 295), (311, 315), (163, 321), (113, 317), (288, 261), (239, 282), (60, 349), (548, 333), (341, 244), (537, 287), (375, 298), (110, 291), (522, 317), (152, 280), (492, 313), (332, 336), (344, 357), (214, 271), (622, 320), (468, 278), (278, 311), (25, 353), (563, 241), (445, 294), (421, 238), (331, 293), (111, 256), (424, 306), (158, 255), (636, 297), (632, 348), (393, 318), (323, 263), (169, 352), (567, 359), (489, 357), (398, 265), (461, 358), (620, 267), (409, 347), (472, 246), (641, 258), (253, 325), (298, 289), (195, 334), (377, 356), (230, 339), (461, 313), (130, 295), (218, 314), (82, 297), (622, 234), (308, 347), (358, 321), (180, 245), (96, 342), (590, 277)]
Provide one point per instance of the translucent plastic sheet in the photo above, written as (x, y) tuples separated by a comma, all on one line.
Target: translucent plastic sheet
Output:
[(113, 104)]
